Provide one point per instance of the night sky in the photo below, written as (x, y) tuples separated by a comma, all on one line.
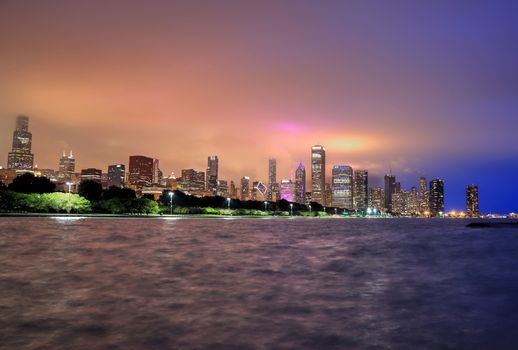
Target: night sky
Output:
[(419, 87)]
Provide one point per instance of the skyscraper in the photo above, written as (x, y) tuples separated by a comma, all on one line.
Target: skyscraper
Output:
[(390, 189), (67, 167), (142, 172), (116, 175), (287, 190), (20, 157), (342, 187), (245, 188), (300, 183), (424, 201), (436, 197), (272, 178), (318, 174), (193, 182), (222, 188), (377, 199), (91, 174), (361, 190), (212, 175), (472, 201)]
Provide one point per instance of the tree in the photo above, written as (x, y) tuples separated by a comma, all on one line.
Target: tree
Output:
[(116, 192), (91, 190), (28, 183)]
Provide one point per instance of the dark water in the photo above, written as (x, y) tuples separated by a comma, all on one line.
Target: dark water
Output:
[(256, 284)]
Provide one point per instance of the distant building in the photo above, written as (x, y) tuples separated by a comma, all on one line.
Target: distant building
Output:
[(116, 175), (300, 184), (232, 191), (307, 198), (7, 176), (318, 174), (472, 201), (436, 197), (222, 188), (67, 167), (272, 179), (342, 187), (259, 191), (212, 175), (50, 174), (413, 202), (328, 194), (287, 190), (399, 203), (192, 182), (361, 190), (424, 200), (377, 199), (91, 174), (245, 188), (142, 171), (390, 189), (20, 157)]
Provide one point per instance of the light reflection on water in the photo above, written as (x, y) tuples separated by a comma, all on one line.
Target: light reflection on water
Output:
[(256, 284)]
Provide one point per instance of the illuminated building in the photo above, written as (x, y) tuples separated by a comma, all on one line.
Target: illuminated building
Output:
[(91, 174), (212, 175), (272, 179), (192, 182), (259, 191), (245, 188), (157, 173), (424, 201), (142, 172), (67, 167), (361, 190), (413, 201), (287, 190), (116, 175), (300, 184), (50, 174), (307, 198), (377, 199), (222, 188), (171, 182), (7, 176), (472, 201), (399, 202), (328, 194), (318, 174), (436, 197), (390, 189), (342, 187), (232, 191), (20, 157)]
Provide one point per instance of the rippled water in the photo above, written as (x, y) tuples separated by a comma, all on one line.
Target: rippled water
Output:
[(256, 284)]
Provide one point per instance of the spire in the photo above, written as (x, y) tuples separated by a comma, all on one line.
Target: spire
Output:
[(71, 155), (64, 153)]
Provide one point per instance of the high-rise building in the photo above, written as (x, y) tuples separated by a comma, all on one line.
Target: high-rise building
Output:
[(116, 175), (390, 189), (232, 191), (413, 201), (245, 188), (142, 172), (91, 174), (328, 194), (399, 203), (377, 199), (472, 201), (157, 173), (318, 174), (436, 197), (222, 188), (424, 201), (361, 190), (212, 175), (67, 167), (272, 178), (300, 184), (287, 190), (20, 157), (192, 182), (342, 187)]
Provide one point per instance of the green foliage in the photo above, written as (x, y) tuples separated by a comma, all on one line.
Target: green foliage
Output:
[(91, 190), (55, 202)]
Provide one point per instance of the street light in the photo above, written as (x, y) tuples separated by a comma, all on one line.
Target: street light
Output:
[(310, 208), (171, 194), (69, 184), (291, 209), (335, 211), (228, 201), (265, 205)]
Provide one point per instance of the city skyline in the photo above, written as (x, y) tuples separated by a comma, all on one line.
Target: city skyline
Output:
[(123, 81)]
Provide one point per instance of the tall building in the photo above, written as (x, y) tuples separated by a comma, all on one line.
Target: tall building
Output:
[(91, 174), (116, 175), (20, 157), (361, 190), (436, 197), (342, 187), (472, 201), (157, 173), (413, 202), (142, 171), (222, 188), (192, 182), (424, 201), (328, 194), (390, 189), (67, 167), (212, 175), (300, 184), (400, 202), (287, 190), (318, 174), (377, 199), (245, 188), (272, 179), (232, 191)]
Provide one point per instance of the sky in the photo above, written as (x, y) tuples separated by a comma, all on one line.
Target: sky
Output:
[(416, 87)]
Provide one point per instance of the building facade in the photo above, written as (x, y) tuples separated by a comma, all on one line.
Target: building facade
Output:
[(424, 200), (472, 201), (67, 167), (212, 175), (287, 189), (436, 197), (116, 175), (300, 184), (91, 174), (318, 174), (20, 157), (272, 179), (142, 171), (342, 187), (390, 189), (361, 190)]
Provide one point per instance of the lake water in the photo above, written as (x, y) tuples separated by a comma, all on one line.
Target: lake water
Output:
[(256, 284)]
